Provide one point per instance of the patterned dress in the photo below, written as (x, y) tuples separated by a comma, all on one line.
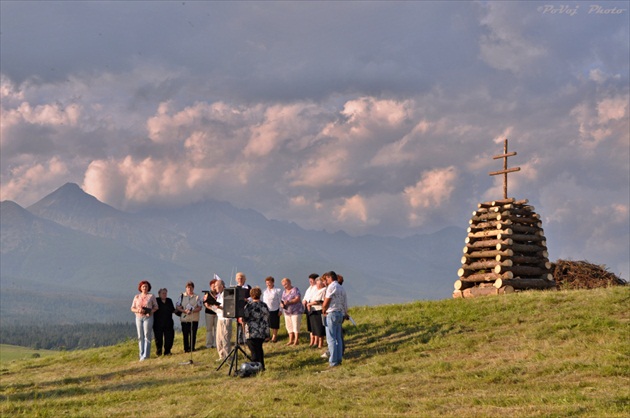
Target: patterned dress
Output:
[(256, 317)]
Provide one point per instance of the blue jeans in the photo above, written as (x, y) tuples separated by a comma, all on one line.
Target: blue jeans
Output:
[(144, 327), (334, 337)]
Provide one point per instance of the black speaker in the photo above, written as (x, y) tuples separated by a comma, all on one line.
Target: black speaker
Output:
[(234, 301)]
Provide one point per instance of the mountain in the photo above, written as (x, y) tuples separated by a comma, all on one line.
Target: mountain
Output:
[(72, 246)]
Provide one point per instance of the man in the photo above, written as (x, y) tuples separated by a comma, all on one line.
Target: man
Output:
[(241, 279), (240, 282), (224, 325), (335, 308)]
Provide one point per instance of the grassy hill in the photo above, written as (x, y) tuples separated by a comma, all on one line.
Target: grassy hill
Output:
[(9, 353), (531, 354)]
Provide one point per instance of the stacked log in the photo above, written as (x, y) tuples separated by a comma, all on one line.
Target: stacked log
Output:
[(505, 251)]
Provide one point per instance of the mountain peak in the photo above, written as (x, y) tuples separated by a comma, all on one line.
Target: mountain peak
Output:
[(12, 213), (72, 201)]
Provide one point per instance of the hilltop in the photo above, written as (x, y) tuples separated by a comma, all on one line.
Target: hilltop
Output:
[(530, 354)]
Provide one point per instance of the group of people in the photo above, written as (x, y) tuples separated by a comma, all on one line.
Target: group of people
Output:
[(324, 304)]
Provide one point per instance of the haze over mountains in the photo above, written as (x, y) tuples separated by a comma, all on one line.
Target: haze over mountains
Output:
[(71, 258)]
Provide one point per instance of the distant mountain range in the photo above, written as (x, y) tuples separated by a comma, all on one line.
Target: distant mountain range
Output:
[(71, 258)]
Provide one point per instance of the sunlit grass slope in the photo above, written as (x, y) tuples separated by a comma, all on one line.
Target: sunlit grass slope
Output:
[(531, 354)]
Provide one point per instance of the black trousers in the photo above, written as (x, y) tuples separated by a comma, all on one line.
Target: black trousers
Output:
[(255, 346), (187, 329), (163, 338)]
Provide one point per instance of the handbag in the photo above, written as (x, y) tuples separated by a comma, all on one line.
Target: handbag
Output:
[(181, 298)]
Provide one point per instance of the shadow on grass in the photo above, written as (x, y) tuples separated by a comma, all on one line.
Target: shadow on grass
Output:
[(392, 336), (366, 341), (96, 384), (30, 391)]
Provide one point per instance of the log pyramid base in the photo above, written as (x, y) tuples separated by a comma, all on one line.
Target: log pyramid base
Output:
[(505, 252)]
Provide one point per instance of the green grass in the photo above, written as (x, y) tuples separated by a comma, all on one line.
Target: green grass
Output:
[(9, 353), (530, 354)]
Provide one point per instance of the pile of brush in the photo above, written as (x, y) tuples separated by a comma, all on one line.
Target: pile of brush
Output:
[(583, 275)]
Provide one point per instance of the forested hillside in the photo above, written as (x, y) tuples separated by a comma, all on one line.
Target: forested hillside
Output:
[(66, 337)]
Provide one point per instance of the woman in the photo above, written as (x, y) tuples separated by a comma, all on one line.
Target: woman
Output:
[(144, 306), (272, 297), (315, 310), (189, 305), (163, 323), (292, 308), (256, 320), (308, 296), (209, 302)]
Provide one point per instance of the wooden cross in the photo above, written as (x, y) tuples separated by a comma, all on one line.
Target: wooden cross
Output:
[(505, 170)]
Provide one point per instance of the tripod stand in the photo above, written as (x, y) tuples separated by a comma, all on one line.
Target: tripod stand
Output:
[(233, 355)]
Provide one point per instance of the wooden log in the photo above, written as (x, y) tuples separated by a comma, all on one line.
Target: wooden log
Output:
[(487, 264), (475, 292), (527, 238), (459, 285), (457, 294), (520, 228), (483, 211), (489, 225), (521, 270), (490, 233), (489, 216), (522, 248), (465, 260), (486, 284), (479, 291), (518, 206), (488, 243), (520, 211), (486, 277), (473, 253), (503, 201), (528, 220), (505, 290), (524, 284), (522, 259), (505, 235)]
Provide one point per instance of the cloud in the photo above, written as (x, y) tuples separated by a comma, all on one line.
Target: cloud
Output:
[(430, 193), (505, 46), (372, 118), (26, 180)]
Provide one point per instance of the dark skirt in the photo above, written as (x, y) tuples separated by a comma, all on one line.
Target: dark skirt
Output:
[(274, 319), (317, 326)]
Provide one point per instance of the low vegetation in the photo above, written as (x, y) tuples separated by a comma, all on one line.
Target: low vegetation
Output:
[(529, 354)]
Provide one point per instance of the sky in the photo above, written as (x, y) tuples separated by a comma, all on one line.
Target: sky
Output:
[(376, 118)]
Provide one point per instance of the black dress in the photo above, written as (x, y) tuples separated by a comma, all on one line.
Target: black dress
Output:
[(163, 326)]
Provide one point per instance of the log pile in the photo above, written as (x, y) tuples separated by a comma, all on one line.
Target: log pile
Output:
[(505, 251), (583, 275)]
